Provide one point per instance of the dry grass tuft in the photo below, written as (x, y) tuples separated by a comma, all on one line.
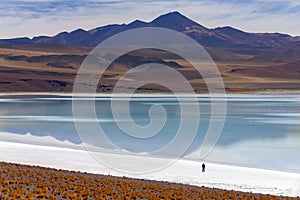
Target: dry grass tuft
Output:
[(33, 182)]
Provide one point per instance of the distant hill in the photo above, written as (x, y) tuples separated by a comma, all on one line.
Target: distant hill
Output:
[(289, 52), (226, 38)]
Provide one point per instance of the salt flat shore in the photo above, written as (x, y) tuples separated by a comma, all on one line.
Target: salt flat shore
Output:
[(63, 155)]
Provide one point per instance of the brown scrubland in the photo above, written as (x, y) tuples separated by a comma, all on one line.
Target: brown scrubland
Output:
[(53, 68), (33, 182)]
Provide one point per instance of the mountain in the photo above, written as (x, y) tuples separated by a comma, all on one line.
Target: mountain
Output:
[(289, 52), (226, 38), (16, 41), (74, 38), (176, 21)]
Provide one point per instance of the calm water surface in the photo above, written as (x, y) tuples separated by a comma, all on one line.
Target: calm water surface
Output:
[(259, 131)]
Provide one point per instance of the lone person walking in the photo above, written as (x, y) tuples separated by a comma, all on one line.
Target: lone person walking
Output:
[(203, 168)]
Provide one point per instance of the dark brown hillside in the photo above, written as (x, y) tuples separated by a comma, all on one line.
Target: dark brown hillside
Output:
[(286, 71), (289, 52), (53, 68)]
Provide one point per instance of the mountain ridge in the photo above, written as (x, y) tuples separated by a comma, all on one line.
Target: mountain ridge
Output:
[(228, 39), (172, 20)]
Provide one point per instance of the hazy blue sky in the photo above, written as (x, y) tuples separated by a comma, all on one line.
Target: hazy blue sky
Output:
[(48, 17)]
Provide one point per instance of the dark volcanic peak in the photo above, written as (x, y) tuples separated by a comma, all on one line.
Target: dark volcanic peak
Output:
[(229, 30), (72, 38), (137, 23), (228, 38), (80, 31), (175, 21), (35, 39), (16, 41), (106, 27)]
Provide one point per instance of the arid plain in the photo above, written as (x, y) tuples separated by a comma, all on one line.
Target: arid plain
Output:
[(53, 68)]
